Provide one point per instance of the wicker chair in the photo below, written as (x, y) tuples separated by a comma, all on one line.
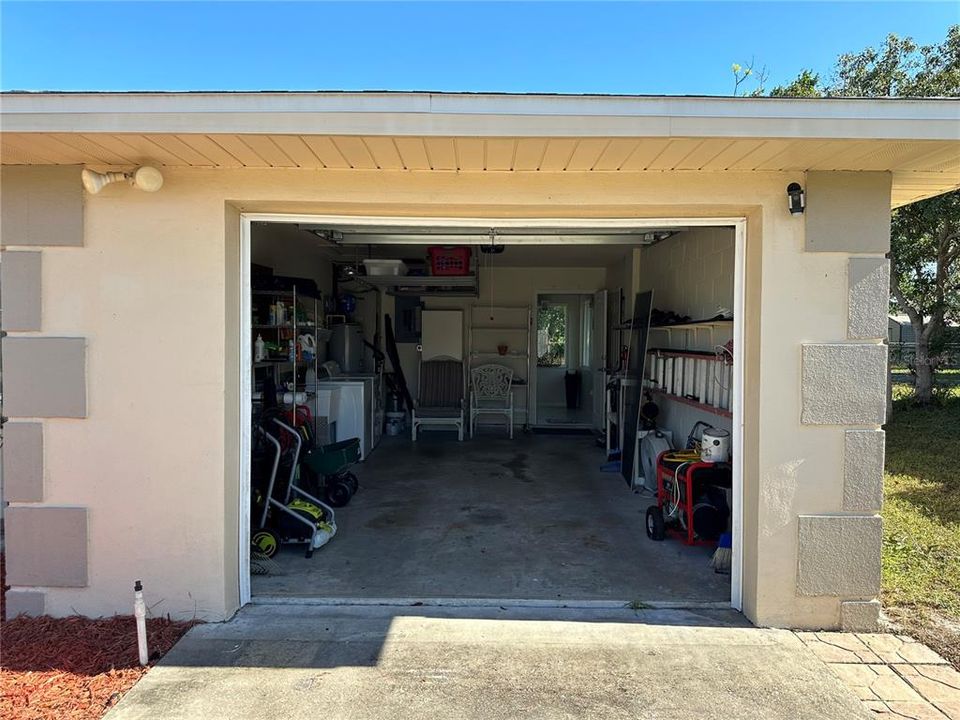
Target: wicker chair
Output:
[(440, 396), (491, 394)]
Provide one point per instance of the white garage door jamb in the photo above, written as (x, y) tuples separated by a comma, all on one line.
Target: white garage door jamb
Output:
[(245, 352)]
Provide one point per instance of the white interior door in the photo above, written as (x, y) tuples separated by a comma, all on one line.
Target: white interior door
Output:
[(598, 357)]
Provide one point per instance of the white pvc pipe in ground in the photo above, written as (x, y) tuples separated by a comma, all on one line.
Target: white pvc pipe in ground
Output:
[(140, 613)]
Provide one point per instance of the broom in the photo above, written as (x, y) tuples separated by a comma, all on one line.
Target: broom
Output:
[(723, 557)]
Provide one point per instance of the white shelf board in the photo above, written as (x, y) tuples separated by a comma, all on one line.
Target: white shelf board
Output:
[(710, 324), (508, 356), (420, 281), (494, 308), (517, 328)]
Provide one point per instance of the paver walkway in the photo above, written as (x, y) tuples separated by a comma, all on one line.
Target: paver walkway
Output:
[(895, 676)]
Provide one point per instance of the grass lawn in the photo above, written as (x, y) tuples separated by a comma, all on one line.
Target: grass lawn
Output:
[(921, 513)]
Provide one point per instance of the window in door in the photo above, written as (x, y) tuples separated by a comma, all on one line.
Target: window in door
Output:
[(552, 335)]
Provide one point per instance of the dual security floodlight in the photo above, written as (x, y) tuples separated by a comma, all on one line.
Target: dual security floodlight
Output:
[(144, 178)]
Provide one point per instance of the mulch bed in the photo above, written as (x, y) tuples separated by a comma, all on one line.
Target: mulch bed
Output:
[(74, 668)]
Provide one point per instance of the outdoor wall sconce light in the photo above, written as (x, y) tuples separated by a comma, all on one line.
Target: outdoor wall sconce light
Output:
[(144, 178), (796, 200)]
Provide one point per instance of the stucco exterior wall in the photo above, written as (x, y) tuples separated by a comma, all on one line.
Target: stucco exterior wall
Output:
[(154, 291)]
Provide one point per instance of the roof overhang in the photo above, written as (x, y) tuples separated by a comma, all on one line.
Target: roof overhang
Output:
[(916, 140)]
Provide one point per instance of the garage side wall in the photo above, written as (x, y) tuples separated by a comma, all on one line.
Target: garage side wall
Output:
[(148, 291)]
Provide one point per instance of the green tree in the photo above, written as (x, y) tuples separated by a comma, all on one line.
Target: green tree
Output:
[(924, 236), (552, 326), (806, 85)]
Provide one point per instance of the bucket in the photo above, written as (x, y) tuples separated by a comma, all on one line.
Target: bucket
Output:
[(395, 423), (715, 445)]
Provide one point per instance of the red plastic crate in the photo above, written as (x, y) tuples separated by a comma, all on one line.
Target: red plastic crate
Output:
[(449, 260)]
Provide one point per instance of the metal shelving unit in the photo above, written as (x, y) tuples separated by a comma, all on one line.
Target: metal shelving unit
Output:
[(282, 333), (509, 325)]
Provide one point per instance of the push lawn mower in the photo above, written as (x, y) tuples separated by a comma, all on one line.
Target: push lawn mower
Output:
[(299, 517)]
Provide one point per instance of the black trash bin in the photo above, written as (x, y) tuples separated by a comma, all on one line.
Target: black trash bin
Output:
[(572, 382)]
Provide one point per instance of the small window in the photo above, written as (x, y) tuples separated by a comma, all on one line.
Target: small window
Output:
[(552, 335)]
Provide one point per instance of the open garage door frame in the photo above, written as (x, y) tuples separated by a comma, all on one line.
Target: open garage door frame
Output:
[(575, 225)]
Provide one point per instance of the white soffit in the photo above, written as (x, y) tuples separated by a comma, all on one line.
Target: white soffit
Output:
[(917, 140)]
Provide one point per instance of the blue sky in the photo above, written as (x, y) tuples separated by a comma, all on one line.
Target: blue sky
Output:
[(657, 48)]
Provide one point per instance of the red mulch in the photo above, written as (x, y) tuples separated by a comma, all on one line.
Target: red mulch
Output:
[(74, 668)]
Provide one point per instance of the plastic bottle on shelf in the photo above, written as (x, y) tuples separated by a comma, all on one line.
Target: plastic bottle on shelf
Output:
[(260, 351), (292, 353)]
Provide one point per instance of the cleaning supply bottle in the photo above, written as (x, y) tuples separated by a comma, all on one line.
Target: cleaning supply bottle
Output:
[(292, 353), (260, 349), (140, 613)]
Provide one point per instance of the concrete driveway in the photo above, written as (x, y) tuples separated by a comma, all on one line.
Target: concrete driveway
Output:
[(400, 663)]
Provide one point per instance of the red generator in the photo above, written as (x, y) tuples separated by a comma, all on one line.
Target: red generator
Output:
[(691, 499)]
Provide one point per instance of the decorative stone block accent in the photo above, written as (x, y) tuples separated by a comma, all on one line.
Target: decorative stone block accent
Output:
[(44, 377), (863, 470), (860, 616), (868, 297), (24, 602), (23, 462), (844, 384), (42, 205), (839, 555), (848, 212), (46, 546), (20, 290)]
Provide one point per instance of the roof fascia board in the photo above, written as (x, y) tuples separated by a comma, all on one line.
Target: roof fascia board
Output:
[(480, 115), (434, 125)]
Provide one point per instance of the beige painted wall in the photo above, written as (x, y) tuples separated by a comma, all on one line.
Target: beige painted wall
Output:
[(149, 290), (508, 286)]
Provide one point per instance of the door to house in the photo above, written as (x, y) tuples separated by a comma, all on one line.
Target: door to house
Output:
[(564, 369)]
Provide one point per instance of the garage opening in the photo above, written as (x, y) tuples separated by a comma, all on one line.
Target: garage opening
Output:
[(459, 411)]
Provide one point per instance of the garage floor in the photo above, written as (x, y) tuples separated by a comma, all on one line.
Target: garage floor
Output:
[(532, 518)]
